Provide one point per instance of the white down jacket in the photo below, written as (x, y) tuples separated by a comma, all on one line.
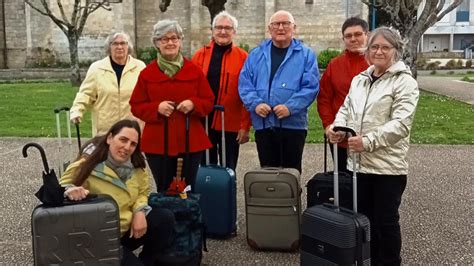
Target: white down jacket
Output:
[(382, 112)]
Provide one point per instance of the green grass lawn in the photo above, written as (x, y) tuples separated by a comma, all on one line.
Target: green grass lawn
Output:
[(26, 110)]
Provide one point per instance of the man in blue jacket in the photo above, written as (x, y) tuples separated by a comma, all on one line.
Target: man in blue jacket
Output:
[(279, 81)]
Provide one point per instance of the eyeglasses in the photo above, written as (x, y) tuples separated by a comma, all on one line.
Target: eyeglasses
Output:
[(276, 25), (384, 48), (225, 28), (355, 34), (119, 43), (165, 40)]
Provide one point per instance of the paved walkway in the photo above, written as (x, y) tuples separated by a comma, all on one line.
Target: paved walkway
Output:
[(436, 213), (449, 86)]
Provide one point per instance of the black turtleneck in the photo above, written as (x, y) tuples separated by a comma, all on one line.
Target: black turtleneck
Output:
[(118, 69), (215, 66), (277, 57)]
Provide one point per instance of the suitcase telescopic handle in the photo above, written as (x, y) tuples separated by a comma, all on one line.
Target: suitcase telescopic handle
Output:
[(223, 147), (221, 109), (351, 133), (345, 129), (58, 111)]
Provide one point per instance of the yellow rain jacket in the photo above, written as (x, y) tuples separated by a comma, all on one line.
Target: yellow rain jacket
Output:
[(101, 93), (130, 196)]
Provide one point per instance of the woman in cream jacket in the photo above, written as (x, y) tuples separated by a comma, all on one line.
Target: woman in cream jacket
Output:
[(380, 107), (108, 85)]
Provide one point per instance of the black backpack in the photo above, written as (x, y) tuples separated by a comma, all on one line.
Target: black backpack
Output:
[(189, 231)]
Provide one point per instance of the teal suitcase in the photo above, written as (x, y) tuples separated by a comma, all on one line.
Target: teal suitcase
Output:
[(217, 186)]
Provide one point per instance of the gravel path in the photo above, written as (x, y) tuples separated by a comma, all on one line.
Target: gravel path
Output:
[(436, 212)]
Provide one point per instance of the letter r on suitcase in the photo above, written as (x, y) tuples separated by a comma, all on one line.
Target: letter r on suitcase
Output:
[(63, 232), (332, 235)]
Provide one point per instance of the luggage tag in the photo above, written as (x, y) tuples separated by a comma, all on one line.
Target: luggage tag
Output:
[(183, 194)]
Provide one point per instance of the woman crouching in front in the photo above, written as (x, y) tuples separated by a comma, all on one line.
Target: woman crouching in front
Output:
[(116, 167)]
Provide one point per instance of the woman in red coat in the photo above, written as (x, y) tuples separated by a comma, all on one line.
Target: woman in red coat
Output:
[(171, 87)]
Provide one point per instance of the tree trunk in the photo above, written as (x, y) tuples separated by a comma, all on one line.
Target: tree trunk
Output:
[(214, 6), (75, 76), (411, 54)]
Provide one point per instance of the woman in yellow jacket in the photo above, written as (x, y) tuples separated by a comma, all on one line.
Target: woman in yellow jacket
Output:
[(116, 167), (108, 85)]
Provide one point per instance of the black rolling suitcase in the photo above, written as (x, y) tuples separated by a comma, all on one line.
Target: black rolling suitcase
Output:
[(320, 188), (63, 232), (335, 236)]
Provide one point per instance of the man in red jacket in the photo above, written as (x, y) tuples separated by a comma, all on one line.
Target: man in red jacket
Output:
[(221, 61), (336, 80)]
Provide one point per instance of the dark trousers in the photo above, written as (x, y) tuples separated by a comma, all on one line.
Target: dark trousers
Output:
[(231, 148), (163, 168), (379, 197), (341, 157), (159, 235), (280, 147)]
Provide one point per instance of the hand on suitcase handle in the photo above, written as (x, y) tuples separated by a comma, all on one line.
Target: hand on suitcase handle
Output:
[(76, 120), (333, 136), (75, 193), (166, 108), (263, 110), (281, 111), (185, 106)]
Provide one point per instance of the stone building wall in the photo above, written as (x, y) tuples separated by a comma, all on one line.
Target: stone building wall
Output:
[(34, 40), (15, 28), (2, 37)]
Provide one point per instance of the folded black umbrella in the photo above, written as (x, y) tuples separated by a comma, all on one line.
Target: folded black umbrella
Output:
[(51, 194)]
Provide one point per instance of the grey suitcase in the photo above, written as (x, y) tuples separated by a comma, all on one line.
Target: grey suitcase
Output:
[(85, 233), (332, 235), (273, 208)]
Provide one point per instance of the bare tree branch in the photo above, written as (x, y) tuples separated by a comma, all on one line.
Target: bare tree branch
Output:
[(47, 12), (75, 10), (404, 17), (453, 5), (72, 27), (61, 10)]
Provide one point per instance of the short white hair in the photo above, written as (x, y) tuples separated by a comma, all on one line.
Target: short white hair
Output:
[(290, 16), (225, 14), (111, 39), (164, 26)]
